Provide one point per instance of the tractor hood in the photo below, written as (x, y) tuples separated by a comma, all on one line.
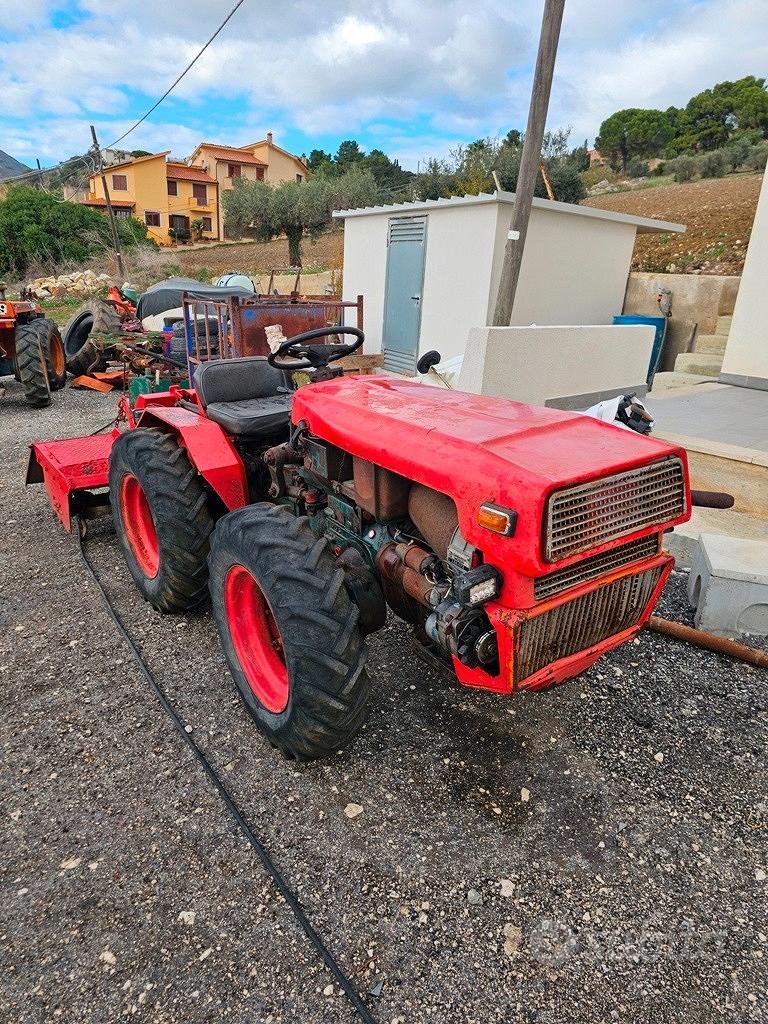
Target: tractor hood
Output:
[(475, 449)]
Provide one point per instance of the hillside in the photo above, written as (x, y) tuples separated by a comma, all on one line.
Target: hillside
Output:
[(9, 166), (718, 214)]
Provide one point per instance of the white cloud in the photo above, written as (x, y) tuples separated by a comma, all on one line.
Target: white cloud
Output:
[(426, 74)]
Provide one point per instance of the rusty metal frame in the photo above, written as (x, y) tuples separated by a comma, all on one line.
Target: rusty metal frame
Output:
[(230, 313)]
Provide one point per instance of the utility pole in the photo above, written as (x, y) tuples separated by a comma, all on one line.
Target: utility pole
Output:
[(529, 162), (110, 211)]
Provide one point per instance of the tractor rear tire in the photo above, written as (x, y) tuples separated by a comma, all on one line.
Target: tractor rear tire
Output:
[(162, 518), (30, 365), (289, 630), (82, 352), (53, 350)]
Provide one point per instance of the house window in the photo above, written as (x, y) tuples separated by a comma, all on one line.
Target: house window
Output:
[(299, 177), (122, 211), (234, 171), (173, 188), (152, 220), (200, 192), (259, 174), (207, 226), (120, 182)]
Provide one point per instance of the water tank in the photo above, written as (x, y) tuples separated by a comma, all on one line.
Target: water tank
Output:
[(235, 281)]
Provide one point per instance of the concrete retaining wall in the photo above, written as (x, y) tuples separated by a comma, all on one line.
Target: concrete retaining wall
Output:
[(697, 301)]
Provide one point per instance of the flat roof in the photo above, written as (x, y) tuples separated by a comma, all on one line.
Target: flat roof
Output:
[(644, 225)]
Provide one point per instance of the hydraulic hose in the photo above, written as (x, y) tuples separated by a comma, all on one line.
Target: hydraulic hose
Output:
[(258, 847)]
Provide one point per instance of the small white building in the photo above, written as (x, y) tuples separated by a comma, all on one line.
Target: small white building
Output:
[(429, 271)]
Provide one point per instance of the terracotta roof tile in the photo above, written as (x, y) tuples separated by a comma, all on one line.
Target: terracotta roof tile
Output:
[(236, 156), (98, 201), (184, 172)]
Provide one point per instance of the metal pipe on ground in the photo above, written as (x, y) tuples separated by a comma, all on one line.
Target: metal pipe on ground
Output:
[(718, 644)]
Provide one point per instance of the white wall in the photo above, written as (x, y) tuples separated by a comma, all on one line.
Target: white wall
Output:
[(567, 367), (459, 257), (365, 271), (746, 354), (574, 268)]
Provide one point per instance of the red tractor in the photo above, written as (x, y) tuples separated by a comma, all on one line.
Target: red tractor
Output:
[(31, 349), (521, 542)]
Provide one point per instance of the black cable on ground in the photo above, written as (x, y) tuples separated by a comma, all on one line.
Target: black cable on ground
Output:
[(280, 883)]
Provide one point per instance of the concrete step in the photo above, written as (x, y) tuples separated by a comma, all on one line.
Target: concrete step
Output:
[(705, 364), (724, 324), (710, 343)]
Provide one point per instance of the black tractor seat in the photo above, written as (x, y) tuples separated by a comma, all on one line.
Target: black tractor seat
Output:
[(247, 396)]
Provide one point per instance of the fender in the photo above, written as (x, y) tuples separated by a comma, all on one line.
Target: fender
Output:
[(209, 449)]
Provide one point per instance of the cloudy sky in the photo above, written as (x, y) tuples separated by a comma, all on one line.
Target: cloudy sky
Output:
[(412, 77)]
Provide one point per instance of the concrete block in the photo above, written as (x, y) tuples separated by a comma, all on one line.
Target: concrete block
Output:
[(714, 343), (724, 324), (705, 364), (564, 367), (728, 585)]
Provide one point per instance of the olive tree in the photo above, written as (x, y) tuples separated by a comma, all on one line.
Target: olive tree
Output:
[(294, 208)]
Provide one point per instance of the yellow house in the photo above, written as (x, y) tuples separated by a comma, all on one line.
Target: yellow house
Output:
[(259, 161), (162, 193), (281, 165)]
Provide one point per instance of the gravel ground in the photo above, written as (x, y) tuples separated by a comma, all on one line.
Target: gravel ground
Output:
[(594, 853)]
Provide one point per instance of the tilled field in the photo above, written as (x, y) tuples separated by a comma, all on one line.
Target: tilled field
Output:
[(591, 854), (718, 214)]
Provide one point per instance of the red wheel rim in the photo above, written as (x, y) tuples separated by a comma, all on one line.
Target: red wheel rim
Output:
[(139, 526), (256, 639)]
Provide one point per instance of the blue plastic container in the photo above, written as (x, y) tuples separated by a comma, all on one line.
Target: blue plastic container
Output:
[(659, 323)]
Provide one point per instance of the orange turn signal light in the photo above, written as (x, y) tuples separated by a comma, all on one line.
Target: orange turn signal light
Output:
[(498, 520)]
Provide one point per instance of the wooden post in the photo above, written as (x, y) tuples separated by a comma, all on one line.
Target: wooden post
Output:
[(529, 162), (110, 211)]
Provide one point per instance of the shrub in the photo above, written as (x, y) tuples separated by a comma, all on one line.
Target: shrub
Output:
[(736, 152), (712, 164), (682, 167), (757, 158), (637, 168), (37, 227)]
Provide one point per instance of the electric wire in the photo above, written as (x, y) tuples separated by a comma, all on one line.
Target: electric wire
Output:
[(258, 847), (173, 85)]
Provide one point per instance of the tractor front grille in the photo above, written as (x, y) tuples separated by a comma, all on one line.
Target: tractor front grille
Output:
[(583, 622), (584, 516), (593, 566)]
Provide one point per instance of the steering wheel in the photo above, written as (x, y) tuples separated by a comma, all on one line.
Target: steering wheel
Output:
[(311, 357)]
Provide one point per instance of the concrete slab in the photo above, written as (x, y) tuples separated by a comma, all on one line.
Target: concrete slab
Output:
[(718, 412), (683, 541), (728, 585)]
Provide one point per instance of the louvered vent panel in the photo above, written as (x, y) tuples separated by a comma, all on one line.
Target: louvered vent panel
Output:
[(407, 229), (583, 622), (583, 517), (595, 565)]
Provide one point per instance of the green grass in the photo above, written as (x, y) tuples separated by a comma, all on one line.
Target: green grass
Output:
[(61, 309)]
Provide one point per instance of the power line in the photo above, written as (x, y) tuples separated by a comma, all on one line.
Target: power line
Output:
[(174, 84), (35, 173)]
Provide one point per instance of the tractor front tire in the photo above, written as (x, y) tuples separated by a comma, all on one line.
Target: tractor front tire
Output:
[(289, 630), (53, 350), (162, 518), (30, 365), (82, 353)]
